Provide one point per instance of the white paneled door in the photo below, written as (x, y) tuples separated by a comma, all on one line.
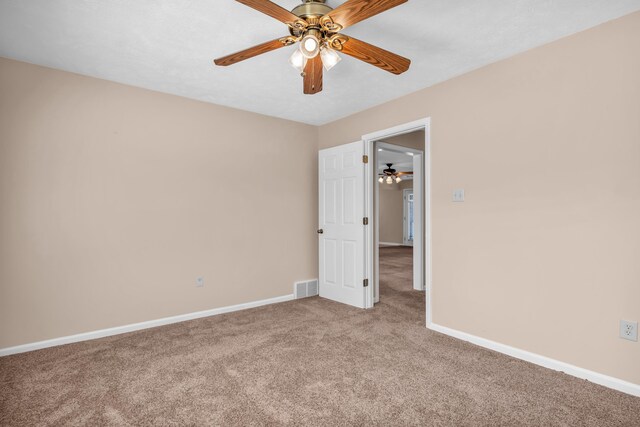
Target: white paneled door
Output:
[(341, 224)]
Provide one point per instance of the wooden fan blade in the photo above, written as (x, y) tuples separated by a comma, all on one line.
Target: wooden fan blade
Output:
[(269, 8), (313, 76), (404, 173), (374, 55), (353, 11), (249, 53)]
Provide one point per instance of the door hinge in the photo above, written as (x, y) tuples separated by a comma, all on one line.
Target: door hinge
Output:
[(365, 221), (365, 159), (365, 283)]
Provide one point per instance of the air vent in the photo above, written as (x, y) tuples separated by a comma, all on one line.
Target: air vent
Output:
[(312, 288), (308, 288), (300, 290)]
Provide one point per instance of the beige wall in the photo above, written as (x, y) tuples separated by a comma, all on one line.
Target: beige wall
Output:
[(114, 199), (391, 213), (543, 255)]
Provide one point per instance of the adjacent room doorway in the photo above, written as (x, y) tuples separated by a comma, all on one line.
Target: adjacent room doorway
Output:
[(398, 212)]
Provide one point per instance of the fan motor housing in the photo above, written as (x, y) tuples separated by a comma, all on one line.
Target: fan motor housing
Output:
[(311, 9)]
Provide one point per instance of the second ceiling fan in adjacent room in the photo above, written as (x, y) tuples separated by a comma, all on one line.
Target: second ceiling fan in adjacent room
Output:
[(390, 175), (317, 27)]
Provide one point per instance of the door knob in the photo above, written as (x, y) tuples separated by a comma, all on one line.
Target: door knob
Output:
[(320, 231)]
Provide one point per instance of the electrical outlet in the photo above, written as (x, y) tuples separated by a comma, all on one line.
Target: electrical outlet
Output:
[(199, 282), (629, 330)]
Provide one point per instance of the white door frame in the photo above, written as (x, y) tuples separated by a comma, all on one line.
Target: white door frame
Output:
[(419, 195), (405, 214), (371, 173)]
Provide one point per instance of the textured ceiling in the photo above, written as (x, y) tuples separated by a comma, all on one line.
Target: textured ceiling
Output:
[(168, 46)]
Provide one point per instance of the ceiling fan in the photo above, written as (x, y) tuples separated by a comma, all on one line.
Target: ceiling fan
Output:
[(316, 26), (390, 175)]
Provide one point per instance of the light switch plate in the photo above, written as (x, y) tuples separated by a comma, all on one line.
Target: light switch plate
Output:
[(458, 195)]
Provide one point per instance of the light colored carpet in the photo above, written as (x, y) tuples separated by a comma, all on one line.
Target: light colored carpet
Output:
[(305, 362)]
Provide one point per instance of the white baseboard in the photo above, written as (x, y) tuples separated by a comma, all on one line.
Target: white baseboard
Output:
[(556, 365), (139, 326), (390, 244)]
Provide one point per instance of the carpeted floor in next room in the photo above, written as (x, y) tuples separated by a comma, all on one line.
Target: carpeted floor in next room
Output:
[(304, 362)]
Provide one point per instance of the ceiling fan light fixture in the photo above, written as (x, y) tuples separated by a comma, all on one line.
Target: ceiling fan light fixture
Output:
[(389, 180), (298, 60), (330, 57), (312, 24), (310, 45), (398, 179), (381, 180)]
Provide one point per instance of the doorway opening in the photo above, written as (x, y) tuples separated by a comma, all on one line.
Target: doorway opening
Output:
[(398, 214), (400, 239)]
